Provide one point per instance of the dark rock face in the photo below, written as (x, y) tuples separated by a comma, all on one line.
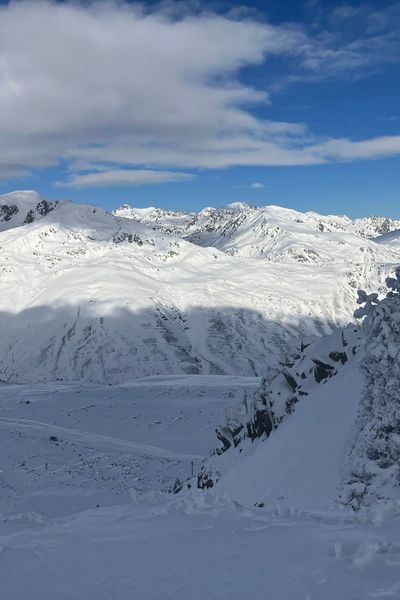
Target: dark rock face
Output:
[(338, 357), (7, 211), (261, 424), (223, 437), (292, 383), (322, 370), (205, 480), (178, 485), (30, 217), (229, 436), (291, 403), (42, 209), (131, 238)]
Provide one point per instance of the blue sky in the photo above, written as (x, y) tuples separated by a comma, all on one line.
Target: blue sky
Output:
[(186, 105)]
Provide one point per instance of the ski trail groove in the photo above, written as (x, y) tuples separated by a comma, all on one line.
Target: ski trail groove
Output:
[(21, 424)]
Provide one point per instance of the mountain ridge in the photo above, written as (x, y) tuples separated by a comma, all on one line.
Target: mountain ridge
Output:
[(91, 295), (266, 232)]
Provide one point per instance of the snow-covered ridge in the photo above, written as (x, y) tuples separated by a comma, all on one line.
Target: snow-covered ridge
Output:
[(270, 232), (86, 294), (22, 208), (390, 239), (286, 444)]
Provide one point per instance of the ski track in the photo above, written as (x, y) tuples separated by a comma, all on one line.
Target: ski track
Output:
[(86, 436)]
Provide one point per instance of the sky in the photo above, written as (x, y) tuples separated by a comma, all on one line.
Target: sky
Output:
[(184, 105)]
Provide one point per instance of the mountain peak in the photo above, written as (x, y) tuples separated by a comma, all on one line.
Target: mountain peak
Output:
[(22, 207), (20, 198)]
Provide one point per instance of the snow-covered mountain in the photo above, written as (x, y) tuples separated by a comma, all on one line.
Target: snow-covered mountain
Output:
[(96, 296), (271, 232), (22, 208), (87, 295), (390, 239)]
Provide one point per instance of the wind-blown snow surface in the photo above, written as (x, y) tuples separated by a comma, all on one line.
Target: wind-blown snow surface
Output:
[(82, 515), (202, 550), (86, 295)]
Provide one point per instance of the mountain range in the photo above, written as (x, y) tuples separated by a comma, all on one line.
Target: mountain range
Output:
[(243, 383), (106, 297)]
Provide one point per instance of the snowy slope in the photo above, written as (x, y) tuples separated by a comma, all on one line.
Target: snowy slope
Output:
[(390, 239), (301, 463), (21, 208), (84, 511), (83, 515), (284, 235), (311, 402), (271, 232), (200, 550), (107, 440), (89, 295)]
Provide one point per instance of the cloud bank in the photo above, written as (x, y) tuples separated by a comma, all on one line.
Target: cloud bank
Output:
[(117, 177), (145, 94)]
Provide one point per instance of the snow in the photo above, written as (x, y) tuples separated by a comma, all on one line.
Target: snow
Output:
[(15, 207), (301, 463), (390, 239), (202, 550), (92, 528), (127, 339), (373, 466), (109, 438), (87, 295), (270, 232)]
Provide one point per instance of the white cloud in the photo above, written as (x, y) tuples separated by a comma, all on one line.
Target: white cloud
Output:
[(257, 185), (146, 91), (117, 177), (344, 149)]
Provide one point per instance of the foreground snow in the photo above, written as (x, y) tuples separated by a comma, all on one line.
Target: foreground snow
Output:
[(199, 548), (85, 513)]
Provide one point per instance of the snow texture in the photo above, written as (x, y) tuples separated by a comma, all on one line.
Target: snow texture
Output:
[(86, 515), (374, 464), (132, 344), (87, 295)]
